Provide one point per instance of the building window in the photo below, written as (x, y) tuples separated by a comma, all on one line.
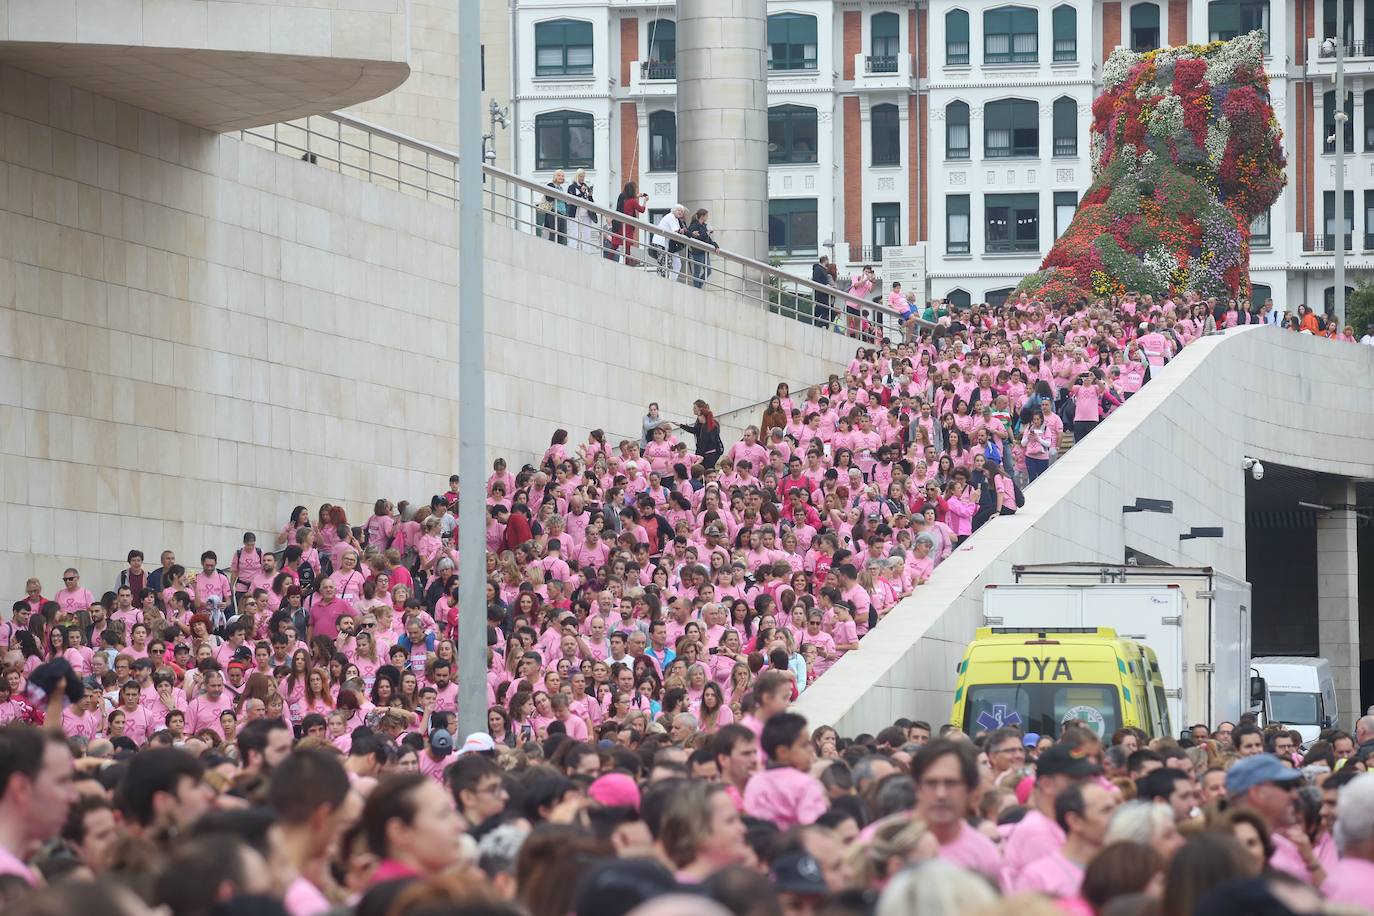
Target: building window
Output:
[(791, 42), (1329, 219), (1010, 36), (563, 47), (563, 140), (998, 297), (1011, 127), (1012, 222), (792, 135), (1259, 229), (1329, 21), (662, 62), (1065, 127), (959, 298), (884, 38), (957, 224), (1368, 117), (956, 131), (956, 38), (1329, 122), (1144, 27), (1065, 204), (662, 141), (887, 227), (1260, 294), (1329, 297), (792, 227), (1064, 22), (886, 135), (1368, 217), (1227, 19)]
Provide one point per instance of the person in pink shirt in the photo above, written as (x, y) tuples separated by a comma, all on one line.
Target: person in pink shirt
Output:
[(72, 598), (1351, 880), (211, 587), (946, 776), (1038, 833), (1264, 785), (204, 710), (785, 792), (1083, 812), (35, 797)]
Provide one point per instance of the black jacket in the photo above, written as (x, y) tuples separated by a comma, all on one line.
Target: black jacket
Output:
[(708, 440), (697, 231), (821, 276)]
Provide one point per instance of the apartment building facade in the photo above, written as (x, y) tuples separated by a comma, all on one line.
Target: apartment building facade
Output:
[(958, 126)]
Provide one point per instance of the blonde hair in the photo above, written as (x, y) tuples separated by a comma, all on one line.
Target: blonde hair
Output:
[(898, 837), (935, 888)]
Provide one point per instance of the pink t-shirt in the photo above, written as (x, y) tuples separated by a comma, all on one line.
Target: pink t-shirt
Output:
[(785, 796), (1034, 837), (1053, 875), (1288, 860), (304, 899), (1351, 881), (10, 864), (973, 851)]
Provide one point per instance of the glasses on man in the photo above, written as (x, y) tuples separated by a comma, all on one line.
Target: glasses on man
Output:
[(70, 578)]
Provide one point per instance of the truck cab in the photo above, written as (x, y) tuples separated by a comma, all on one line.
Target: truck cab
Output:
[(1301, 693), (1042, 679)]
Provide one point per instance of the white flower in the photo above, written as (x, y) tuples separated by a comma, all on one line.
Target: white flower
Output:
[(1167, 118), (1218, 133), (1118, 67)]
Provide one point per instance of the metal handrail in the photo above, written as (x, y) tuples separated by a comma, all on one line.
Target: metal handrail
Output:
[(414, 166)]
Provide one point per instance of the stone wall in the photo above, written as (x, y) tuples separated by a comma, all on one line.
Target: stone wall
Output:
[(198, 334)]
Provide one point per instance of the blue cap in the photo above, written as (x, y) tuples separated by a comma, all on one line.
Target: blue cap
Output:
[(1249, 772), (1031, 739)]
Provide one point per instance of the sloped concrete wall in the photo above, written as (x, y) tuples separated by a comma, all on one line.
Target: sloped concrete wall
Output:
[(1258, 391)]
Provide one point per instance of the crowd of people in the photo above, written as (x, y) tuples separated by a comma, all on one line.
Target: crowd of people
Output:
[(764, 818), (276, 726)]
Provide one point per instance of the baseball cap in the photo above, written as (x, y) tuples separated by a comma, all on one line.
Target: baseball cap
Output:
[(615, 790), (441, 742), (1059, 760), (1031, 739), (797, 872), (477, 743), (1249, 772)]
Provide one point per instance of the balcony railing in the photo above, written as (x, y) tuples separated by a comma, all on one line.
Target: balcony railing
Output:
[(658, 70), (880, 63), (1319, 243), (351, 146), (1354, 48)]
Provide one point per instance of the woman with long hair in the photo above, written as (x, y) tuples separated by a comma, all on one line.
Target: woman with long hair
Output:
[(706, 430), (623, 236)]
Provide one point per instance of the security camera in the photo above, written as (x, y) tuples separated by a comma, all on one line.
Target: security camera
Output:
[(1254, 467)]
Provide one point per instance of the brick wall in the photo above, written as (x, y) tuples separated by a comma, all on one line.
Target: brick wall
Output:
[(853, 169), (1111, 28), (852, 40)]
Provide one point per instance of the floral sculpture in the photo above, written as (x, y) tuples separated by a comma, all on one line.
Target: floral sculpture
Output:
[(1186, 153)]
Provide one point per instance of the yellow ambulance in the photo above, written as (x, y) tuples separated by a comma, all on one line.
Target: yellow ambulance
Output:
[(1041, 679)]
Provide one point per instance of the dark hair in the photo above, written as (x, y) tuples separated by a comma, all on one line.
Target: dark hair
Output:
[(252, 738), (1242, 731), (21, 751), (305, 781), (1159, 784), (151, 771), (198, 865), (1068, 801), (1119, 868), (1205, 861), (933, 751), (467, 771), (781, 731), (393, 798)]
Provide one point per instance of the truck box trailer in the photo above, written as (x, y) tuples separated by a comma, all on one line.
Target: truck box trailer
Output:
[(1196, 619)]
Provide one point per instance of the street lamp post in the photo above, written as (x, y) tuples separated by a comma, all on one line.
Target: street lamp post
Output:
[(472, 529), (1341, 118)]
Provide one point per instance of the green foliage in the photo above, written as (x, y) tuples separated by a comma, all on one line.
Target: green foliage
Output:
[(1359, 306)]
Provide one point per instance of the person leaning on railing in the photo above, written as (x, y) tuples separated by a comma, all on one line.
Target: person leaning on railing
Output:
[(632, 203), (698, 231)]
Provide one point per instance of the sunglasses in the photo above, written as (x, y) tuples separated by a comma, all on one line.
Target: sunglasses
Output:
[(70, 578)]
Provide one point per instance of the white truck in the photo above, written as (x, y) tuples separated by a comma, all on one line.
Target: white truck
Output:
[(1301, 691), (1196, 619)]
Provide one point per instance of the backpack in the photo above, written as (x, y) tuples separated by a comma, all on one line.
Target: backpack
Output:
[(1020, 494)]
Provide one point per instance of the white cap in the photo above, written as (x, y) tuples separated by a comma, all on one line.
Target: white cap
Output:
[(477, 742)]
